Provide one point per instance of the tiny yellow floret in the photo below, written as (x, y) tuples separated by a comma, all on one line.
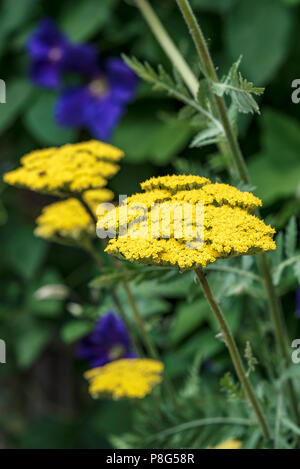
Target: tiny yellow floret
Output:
[(131, 378), (185, 222)]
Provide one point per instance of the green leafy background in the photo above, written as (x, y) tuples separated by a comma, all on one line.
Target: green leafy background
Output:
[(43, 400)]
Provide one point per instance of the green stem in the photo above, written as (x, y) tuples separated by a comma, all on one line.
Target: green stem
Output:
[(140, 323), (181, 65), (230, 147), (168, 45), (234, 353), (211, 75), (240, 165), (89, 248), (151, 349)]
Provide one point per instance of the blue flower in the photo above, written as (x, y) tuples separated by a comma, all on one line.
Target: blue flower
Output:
[(52, 53), (99, 105), (108, 341)]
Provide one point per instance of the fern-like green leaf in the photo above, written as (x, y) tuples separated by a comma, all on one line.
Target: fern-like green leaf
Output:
[(230, 387), (160, 79), (174, 86), (252, 361)]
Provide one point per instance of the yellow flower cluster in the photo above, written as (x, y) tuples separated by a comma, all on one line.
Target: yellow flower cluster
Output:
[(231, 443), (185, 222), (69, 218), (131, 378), (68, 169)]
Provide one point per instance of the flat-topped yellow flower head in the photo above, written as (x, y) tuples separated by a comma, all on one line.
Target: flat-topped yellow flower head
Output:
[(185, 222), (69, 218), (72, 168), (131, 378)]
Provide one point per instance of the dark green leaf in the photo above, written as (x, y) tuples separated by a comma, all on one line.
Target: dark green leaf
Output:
[(24, 252), (291, 238), (74, 330), (30, 343), (18, 92), (12, 17), (250, 28), (188, 318), (279, 157), (83, 19), (145, 139)]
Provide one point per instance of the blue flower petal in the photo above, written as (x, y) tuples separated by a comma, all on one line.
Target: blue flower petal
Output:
[(122, 79), (44, 38), (82, 58), (46, 74), (109, 335), (71, 106), (48, 44)]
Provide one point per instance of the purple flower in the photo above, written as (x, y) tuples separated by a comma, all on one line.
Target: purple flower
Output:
[(99, 105), (298, 303), (108, 341), (52, 53)]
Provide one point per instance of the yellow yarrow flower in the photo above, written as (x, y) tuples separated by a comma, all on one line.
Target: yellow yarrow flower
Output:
[(231, 443), (131, 378), (186, 222), (72, 168), (69, 218)]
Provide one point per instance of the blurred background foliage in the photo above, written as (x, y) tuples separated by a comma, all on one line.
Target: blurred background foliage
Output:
[(43, 399)]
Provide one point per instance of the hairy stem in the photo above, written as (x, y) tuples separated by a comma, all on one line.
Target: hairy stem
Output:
[(234, 353), (240, 165)]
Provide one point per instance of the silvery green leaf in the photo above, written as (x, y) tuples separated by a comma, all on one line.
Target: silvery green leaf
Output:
[(207, 136), (296, 268), (278, 254), (186, 112), (291, 238), (173, 86), (239, 89), (277, 274)]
